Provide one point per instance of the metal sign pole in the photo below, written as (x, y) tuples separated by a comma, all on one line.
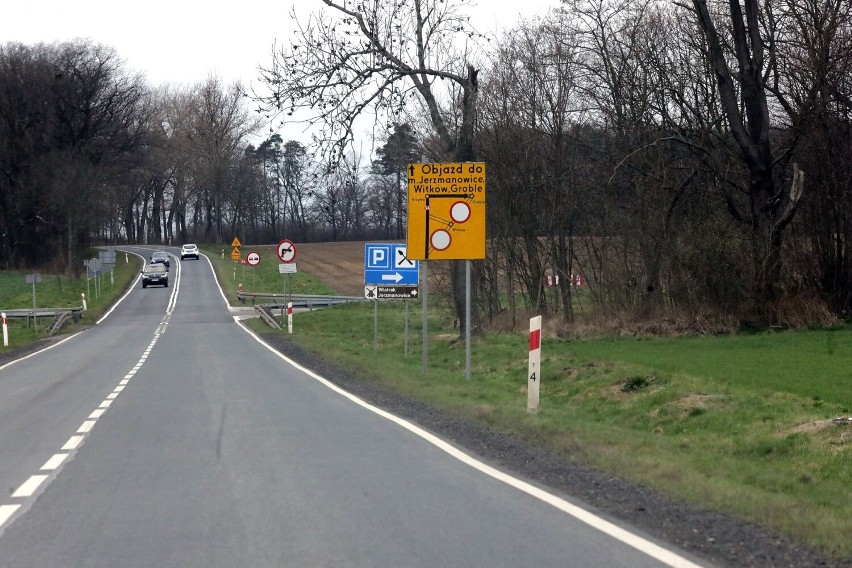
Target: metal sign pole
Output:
[(35, 318), (405, 348), (424, 285), (375, 326), (467, 319)]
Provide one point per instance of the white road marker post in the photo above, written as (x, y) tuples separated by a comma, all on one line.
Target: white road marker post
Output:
[(85, 306), (534, 370), (5, 331), (289, 317)]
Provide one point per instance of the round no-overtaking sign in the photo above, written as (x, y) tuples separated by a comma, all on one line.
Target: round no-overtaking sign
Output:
[(253, 259)]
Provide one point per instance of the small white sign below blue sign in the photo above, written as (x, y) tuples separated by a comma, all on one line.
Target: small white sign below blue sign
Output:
[(387, 263)]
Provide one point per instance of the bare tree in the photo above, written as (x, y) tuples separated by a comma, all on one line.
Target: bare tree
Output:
[(298, 184), (218, 132), (773, 194), (377, 56), (71, 119)]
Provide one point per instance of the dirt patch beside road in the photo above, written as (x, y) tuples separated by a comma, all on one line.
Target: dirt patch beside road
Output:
[(337, 265)]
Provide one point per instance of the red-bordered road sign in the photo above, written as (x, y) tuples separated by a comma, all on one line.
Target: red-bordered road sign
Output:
[(252, 259), (286, 251)]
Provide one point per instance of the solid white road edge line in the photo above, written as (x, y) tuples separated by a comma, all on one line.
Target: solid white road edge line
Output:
[(643, 545)]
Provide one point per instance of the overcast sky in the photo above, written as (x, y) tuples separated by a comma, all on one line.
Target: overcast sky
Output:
[(184, 41)]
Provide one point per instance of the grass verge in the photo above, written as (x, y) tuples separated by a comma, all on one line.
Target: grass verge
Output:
[(742, 424), (60, 291)]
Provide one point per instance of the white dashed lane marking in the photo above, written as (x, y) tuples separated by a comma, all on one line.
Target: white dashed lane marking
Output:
[(28, 489), (7, 511), (54, 462), (73, 443), (30, 486)]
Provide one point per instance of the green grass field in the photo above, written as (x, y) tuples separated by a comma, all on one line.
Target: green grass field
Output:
[(263, 278), (60, 291), (740, 423)]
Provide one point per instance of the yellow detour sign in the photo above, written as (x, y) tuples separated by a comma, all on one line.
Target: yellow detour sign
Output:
[(446, 211), (235, 254)]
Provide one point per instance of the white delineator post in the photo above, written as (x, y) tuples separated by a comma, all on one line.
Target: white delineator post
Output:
[(534, 371), (289, 317), (85, 307), (5, 331)]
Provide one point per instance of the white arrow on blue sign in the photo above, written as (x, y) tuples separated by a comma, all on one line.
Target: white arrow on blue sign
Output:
[(387, 263)]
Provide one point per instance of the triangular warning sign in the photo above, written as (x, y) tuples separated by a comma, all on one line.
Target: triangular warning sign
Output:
[(236, 243)]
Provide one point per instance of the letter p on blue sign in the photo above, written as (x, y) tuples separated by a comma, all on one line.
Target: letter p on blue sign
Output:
[(377, 257)]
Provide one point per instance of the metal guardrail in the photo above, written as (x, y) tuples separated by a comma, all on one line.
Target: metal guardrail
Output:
[(266, 315), (76, 313), (309, 301), (59, 316)]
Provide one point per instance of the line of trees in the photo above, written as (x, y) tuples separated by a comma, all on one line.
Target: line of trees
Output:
[(693, 160), (91, 154)]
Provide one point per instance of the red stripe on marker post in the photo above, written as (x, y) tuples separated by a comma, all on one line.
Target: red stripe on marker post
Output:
[(535, 339)]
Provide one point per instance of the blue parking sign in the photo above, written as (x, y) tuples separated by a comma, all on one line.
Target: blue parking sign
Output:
[(387, 263)]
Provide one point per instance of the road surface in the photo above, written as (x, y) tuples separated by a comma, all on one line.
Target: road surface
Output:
[(169, 436)]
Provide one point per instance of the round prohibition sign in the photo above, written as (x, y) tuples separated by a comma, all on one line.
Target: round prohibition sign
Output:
[(441, 239), (286, 251), (460, 212), (252, 259)]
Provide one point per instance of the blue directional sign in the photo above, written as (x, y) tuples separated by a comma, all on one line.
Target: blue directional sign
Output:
[(388, 264)]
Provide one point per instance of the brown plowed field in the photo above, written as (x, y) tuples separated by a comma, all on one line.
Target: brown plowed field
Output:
[(339, 265)]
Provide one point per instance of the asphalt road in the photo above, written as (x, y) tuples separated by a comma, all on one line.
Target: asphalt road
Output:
[(169, 436)]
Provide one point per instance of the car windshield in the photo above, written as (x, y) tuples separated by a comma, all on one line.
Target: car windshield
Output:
[(159, 255), (153, 268)]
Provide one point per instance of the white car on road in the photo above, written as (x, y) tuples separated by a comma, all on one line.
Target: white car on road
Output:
[(189, 251)]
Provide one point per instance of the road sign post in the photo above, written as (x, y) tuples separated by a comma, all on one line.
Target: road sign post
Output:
[(253, 260), (446, 220), (33, 279)]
